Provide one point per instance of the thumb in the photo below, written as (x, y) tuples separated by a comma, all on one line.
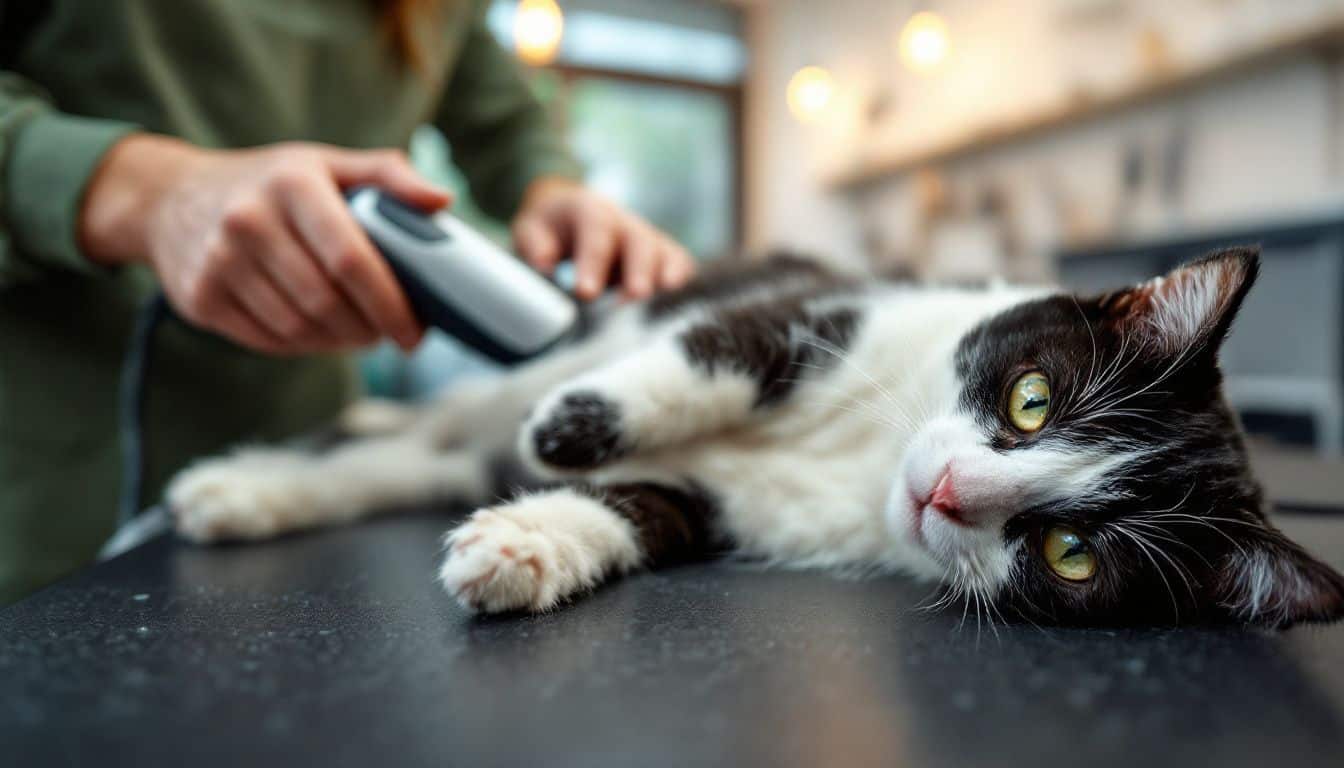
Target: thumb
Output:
[(390, 171)]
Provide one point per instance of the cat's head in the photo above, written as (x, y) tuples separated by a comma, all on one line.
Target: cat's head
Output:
[(1090, 470)]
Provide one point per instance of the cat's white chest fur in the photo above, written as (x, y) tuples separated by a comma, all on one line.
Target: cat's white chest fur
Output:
[(806, 483)]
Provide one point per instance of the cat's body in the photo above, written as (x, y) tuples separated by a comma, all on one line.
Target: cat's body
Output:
[(813, 420)]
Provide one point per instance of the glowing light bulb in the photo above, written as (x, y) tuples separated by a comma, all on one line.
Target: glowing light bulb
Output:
[(809, 92), (924, 41), (538, 26)]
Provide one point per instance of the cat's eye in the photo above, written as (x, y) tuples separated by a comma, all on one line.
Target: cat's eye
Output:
[(1029, 401), (1068, 555)]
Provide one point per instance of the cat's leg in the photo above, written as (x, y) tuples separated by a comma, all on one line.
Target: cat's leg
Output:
[(262, 492), (485, 412), (708, 375), (401, 455), (541, 549)]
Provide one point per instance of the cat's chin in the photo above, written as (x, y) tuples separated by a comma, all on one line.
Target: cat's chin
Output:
[(944, 549), (906, 522)]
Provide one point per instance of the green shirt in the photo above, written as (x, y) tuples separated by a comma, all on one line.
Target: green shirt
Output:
[(76, 76)]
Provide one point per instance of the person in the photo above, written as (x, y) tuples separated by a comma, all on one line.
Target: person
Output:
[(202, 147)]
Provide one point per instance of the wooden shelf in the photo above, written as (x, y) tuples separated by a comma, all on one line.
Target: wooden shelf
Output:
[(1326, 39)]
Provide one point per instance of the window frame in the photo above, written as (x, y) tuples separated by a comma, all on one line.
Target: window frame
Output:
[(732, 95)]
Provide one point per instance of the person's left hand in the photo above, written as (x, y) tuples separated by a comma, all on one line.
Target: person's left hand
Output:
[(560, 217)]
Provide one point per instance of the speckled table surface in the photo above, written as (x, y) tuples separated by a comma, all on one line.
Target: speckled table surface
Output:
[(338, 649)]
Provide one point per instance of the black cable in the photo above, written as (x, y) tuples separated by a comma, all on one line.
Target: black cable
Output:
[(135, 371)]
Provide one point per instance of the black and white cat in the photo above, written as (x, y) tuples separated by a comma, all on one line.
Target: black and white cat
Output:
[(1060, 458)]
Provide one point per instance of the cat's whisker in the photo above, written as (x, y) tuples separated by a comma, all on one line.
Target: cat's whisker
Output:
[(872, 410), (876, 410), (944, 594), (1186, 354), (1155, 531), (1145, 549), (1176, 565), (868, 411), (1206, 522), (1113, 369), (809, 337), (1092, 365)]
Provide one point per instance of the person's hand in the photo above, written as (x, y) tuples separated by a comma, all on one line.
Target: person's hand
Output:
[(560, 217), (257, 245)]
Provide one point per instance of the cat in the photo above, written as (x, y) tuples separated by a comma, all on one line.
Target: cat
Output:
[(1057, 458)]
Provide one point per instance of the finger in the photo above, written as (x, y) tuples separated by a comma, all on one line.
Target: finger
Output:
[(639, 263), (303, 280), (234, 322), (299, 277), (594, 251), (318, 213), (536, 243), (390, 171), (676, 269), (253, 289)]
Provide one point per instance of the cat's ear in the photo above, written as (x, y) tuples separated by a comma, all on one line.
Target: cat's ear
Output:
[(1273, 582), (1191, 306)]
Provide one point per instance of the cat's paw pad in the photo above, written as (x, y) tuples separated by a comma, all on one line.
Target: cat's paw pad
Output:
[(574, 431), (227, 499), (496, 563)]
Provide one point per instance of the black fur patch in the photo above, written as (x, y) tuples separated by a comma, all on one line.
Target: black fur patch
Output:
[(776, 344), (725, 281), (674, 524), (583, 431)]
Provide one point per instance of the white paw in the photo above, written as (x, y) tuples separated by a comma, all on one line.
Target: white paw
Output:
[(373, 416), (494, 564), (532, 554), (239, 497)]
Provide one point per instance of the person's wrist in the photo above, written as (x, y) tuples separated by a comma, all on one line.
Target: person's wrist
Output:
[(124, 194)]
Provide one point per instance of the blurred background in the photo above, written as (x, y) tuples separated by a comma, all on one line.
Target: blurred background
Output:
[(1088, 142)]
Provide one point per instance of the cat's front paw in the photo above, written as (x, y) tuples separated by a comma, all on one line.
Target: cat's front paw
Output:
[(495, 565), (231, 498), (574, 430), (535, 552)]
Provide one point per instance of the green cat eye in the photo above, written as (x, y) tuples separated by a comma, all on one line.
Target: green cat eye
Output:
[(1029, 401), (1068, 554)]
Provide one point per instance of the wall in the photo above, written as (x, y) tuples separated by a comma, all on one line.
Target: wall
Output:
[(1263, 144)]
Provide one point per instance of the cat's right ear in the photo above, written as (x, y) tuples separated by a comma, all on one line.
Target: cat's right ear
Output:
[(1271, 581), (1190, 307)]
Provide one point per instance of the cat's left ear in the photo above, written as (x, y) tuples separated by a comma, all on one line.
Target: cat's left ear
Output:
[(1191, 306), (1271, 581)]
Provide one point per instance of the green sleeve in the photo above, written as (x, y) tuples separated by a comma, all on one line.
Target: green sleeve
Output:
[(46, 159), (498, 130)]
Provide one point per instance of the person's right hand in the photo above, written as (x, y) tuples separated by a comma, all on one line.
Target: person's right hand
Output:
[(257, 245)]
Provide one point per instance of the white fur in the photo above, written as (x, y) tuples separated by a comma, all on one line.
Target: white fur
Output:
[(258, 493), (662, 400), (375, 416), (536, 551), (1187, 301)]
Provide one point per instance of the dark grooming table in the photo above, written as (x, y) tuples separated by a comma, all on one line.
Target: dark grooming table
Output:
[(338, 649)]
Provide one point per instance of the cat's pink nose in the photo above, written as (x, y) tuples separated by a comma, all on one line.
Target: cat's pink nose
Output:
[(944, 499)]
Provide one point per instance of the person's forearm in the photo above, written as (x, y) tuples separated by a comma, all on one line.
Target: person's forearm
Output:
[(124, 192)]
